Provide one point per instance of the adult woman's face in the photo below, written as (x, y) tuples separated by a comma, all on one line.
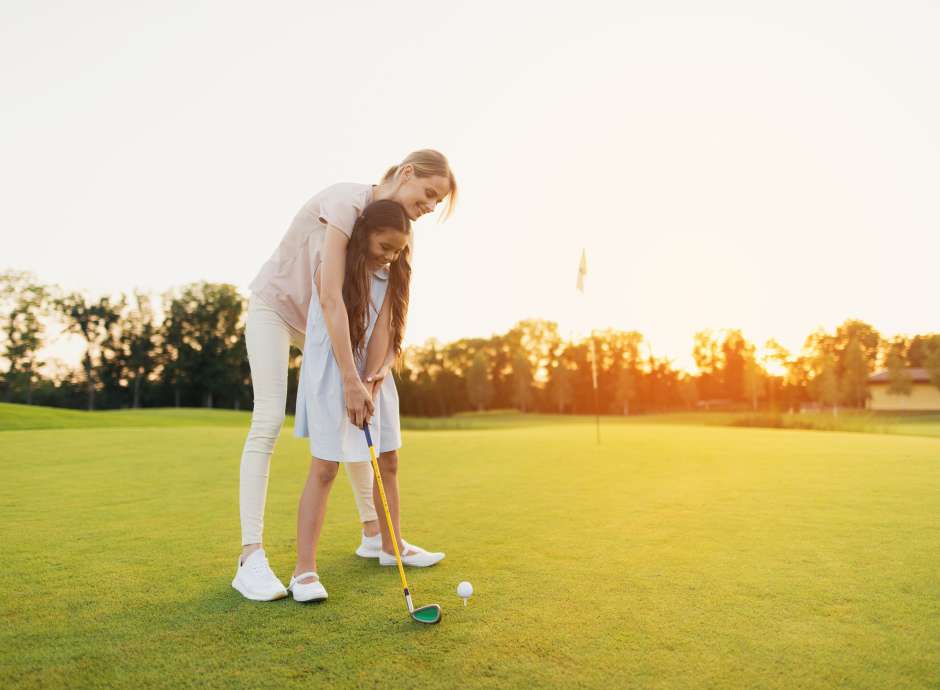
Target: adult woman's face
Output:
[(420, 195)]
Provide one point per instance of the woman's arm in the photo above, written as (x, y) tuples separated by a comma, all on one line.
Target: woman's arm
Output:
[(359, 403), (380, 354)]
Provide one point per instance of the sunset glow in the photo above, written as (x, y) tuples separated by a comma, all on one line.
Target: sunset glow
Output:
[(756, 171)]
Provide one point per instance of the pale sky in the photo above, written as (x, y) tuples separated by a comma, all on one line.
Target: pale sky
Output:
[(772, 167)]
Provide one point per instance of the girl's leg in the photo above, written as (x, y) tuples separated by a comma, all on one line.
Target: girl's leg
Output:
[(360, 478), (311, 512), (267, 338)]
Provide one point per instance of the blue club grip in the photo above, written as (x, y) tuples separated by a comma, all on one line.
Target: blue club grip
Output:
[(365, 428)]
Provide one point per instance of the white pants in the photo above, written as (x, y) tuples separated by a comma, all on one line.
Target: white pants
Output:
[(268, 339)]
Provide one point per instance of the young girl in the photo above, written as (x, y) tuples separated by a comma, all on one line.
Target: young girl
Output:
[(374, 287), (277, 319)]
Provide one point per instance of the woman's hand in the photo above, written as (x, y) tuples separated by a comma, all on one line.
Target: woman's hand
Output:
[(359, 405), (374, 382)]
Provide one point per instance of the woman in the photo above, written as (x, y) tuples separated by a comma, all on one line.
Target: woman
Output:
[(277, 312)]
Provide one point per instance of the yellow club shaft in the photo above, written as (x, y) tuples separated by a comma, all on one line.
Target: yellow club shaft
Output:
[(388, 520)]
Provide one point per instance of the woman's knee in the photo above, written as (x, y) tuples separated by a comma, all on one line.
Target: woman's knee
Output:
[(388, 462), (266, 423), (324, 471)]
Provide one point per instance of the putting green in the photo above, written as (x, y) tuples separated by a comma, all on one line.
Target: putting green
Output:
[(666, 557)]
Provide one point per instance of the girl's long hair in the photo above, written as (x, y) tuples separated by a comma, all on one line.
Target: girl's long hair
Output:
[(357, 283)]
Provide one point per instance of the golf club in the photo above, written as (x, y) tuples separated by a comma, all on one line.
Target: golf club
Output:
[(430, 613)]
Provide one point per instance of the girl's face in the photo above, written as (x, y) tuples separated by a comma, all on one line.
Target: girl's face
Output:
[(420, 195), (385, 246)]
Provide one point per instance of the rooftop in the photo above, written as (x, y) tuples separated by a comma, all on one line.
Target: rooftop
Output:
[(918, 375)]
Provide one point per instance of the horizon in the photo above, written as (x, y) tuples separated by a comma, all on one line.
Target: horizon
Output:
[(64, 349)]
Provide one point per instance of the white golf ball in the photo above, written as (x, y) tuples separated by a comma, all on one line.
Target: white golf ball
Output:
[(464, 590)]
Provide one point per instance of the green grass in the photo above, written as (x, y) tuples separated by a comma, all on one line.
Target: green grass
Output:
[(24, 417), (916, 424), (670, 556)]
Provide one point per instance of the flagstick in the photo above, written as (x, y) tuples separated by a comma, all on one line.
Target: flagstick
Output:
[(597, 415), (582, 272)]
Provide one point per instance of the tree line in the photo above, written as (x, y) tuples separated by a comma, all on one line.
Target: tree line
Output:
[(195, 356)]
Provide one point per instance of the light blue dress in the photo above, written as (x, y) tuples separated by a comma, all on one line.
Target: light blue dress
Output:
[(321, 404)]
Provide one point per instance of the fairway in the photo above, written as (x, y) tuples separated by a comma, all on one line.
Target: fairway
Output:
[(669, 556)]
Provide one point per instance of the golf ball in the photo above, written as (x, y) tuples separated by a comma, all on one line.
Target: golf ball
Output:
[(464, 590)]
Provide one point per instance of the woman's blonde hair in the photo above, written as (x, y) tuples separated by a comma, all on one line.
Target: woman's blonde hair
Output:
[(429, 163)]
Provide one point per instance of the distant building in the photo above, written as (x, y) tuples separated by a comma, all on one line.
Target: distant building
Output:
[(924, 397), (716, 404)]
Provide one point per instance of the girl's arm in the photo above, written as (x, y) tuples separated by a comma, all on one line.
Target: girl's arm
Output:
[(359, 403)]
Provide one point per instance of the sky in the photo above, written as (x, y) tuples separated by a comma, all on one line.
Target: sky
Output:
[(766, 166)]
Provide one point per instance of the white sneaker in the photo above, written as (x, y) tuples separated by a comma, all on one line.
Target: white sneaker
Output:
[(255, 579), (370, 547), (416, 557), (310, 591)]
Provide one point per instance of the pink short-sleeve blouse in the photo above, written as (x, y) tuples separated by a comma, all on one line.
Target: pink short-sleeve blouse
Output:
[(285, 281)]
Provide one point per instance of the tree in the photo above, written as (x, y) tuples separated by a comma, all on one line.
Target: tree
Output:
[(620, 367), (706, 351), (818, 367), (917, 350), (203, 327), (561, 386), (827, 382), (521, 381), (479, 386), (538, 339), (663, 384), (777, 353), (753, 379), (932, 361), (174, 354), (854, 374), (784, 390), (97, 323), (735, 351), (868, 340), (900, 381), (138, 336), (688, 392), (626, 387), (25, 303)]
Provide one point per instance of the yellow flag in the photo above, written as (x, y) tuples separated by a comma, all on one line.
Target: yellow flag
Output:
[(582, 270)]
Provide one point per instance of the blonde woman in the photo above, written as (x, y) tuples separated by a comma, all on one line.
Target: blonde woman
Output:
[(277, 314)]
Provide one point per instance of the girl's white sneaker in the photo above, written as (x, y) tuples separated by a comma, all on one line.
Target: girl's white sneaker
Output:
[(255, 579), (311, 591), (417, 557)]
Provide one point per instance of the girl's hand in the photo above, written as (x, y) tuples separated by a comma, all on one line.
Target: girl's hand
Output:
[(359, 405), (375, 381)]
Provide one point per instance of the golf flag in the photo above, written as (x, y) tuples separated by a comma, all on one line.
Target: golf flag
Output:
[(582, 271)]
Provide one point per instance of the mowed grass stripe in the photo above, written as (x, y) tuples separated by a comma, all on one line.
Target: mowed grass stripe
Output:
[(29, 417), (667, 556), (14, 417)]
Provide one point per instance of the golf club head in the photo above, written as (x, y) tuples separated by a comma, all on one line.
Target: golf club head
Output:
[(429, 614)]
